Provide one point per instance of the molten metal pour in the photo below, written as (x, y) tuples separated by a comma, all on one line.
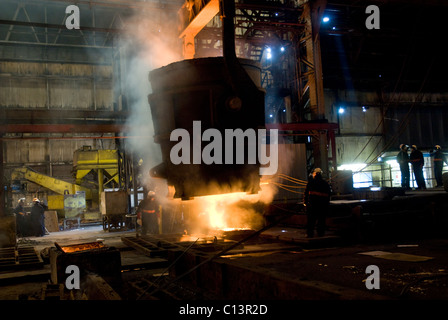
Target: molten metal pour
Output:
[(228, 212), (80, 247)]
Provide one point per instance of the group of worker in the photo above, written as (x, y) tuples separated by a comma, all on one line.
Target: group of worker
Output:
[(317, 192), (30, 224), (415, 158)]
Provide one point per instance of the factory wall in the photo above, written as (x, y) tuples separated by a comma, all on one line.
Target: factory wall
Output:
[(52, 157), (425, 126), (359, 137), (56, 85), (50, 85), (365, 133)]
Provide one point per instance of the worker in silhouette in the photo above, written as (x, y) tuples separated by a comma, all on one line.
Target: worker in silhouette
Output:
[(147, 214), (316, 201), (19, 212), (37, 218), (438, 158), (417, 161), (403, 161)]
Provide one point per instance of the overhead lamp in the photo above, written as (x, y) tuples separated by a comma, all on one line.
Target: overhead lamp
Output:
[(326, 19), (269, 54)]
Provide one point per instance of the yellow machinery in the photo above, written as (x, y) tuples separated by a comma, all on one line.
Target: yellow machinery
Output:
[(103, 162), (71, 197), (56, 185)]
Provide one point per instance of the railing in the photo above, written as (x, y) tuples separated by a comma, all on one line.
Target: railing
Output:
[(390, 176)]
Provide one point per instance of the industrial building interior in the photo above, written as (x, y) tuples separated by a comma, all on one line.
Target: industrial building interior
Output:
[(87, 116)]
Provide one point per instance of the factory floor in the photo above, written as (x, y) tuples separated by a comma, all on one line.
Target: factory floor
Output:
[(282, 265), (409, 268)]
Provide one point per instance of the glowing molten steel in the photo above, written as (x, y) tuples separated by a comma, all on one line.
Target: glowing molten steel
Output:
[(229, 212), (81, 247)]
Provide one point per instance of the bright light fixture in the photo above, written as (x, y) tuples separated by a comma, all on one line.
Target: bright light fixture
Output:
[(352, 166), (269, 54)]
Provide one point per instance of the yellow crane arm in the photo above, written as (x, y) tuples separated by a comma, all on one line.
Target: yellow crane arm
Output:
[(56, 185)]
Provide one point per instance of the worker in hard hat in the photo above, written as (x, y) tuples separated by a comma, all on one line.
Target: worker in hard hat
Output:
[(403, 161), (37, 218), (438, 159), (316, 201), (147, 214), (417, 161)]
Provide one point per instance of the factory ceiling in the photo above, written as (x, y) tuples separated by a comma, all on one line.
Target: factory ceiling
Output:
[(43, 22), (404, 54)]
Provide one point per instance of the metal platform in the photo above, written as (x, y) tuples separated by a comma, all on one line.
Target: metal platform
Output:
[(160, 245), (17, 258)]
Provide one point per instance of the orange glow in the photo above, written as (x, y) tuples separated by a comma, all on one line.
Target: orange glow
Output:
[(82, 247), (230, 211)]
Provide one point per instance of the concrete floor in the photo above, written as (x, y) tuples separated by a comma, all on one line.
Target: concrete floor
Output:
[(320, 268)]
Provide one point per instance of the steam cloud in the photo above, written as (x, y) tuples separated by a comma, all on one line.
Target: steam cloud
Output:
[(150, 42)]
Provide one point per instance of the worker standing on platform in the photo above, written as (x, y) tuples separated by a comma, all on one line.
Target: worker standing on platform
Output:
[(403, 161), (439, 158), (147, 213), (417, 161), (316, 201)]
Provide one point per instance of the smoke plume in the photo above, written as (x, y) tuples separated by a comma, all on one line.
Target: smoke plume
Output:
[(150, 42)]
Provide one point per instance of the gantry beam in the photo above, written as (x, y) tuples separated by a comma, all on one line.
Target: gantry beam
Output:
[(204, 16), (63, 128)]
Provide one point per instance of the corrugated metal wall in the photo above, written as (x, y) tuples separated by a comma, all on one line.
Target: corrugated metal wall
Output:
[(48, 150), (54, 85)]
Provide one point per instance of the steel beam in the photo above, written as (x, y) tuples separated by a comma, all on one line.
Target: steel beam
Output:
[(63, 128), (2, 189), (56, 26), (204, 16), (26, 116), (303, 126)]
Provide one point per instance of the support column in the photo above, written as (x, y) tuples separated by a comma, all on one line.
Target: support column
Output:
[(2, 189), (100, 185), (313, 12), (188, 48)]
